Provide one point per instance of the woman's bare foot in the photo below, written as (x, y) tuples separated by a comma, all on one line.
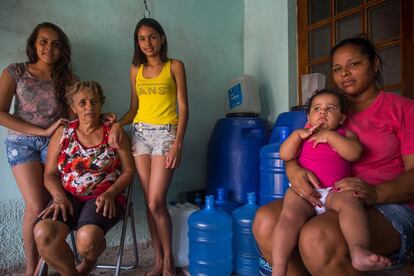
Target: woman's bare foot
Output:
[(86, 267), (156, 270), (365, 260), (169, 267)]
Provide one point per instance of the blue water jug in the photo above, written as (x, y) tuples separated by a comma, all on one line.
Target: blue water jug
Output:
[(233, 157), (273, 180), (222, 202), (245, 256), (210, 239), (292, 120)]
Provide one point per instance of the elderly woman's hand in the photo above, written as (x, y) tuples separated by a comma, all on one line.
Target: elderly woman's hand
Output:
[(359, 187), (303, 182), (59, 204), (105, 202)]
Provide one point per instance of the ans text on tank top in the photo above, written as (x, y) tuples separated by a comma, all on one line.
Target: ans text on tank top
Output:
[(157, 97)]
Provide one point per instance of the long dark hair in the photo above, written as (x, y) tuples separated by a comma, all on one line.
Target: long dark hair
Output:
[(62, 74), (139, 57), (367, 49)]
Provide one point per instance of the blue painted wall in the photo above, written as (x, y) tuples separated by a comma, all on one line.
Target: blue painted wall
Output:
[(206, 35), (217, 40), (270, 53)]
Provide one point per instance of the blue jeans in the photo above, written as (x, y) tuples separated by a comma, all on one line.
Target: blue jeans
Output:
[(402, 218), (24, 148)]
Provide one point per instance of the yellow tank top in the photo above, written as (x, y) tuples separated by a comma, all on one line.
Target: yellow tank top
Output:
[(157, 97)]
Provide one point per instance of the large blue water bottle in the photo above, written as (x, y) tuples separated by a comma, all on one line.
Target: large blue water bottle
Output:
[(223, 203), (245, 256), (210, 239), (273, 179)]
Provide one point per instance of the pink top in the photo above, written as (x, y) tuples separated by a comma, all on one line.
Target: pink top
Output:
[(324, 162), (386, 132)]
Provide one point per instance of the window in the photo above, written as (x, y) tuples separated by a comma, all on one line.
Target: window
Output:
[(388, 23)]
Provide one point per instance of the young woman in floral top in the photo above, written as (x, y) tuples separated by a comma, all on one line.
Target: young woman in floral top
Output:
[(38, 87)]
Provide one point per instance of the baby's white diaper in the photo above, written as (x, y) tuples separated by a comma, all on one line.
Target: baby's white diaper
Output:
[(324, 193)]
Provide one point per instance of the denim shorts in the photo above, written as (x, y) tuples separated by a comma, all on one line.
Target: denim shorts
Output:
[(402, 218), (152, 139), (24, 148), (265, 269)]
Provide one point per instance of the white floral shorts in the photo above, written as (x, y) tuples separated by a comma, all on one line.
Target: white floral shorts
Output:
[(152, 139)]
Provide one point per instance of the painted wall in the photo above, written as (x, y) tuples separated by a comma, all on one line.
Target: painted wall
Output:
[(270, 53), (206, 35)]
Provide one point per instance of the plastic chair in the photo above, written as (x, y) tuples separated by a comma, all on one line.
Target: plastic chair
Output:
[(118, 266)]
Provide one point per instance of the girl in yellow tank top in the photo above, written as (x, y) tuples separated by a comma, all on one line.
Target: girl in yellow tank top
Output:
[(159, 111), (157, 97)]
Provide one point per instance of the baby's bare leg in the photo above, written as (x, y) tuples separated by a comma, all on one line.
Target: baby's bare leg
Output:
[(295, 213), (354, 225)]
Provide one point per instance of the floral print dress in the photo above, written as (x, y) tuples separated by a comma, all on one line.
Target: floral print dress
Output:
[(87, 172)]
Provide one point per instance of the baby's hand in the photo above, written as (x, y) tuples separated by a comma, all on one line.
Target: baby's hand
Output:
[(322, 136), (305, 133)]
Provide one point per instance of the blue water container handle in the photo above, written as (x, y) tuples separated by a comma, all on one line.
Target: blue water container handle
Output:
[(221, 195), (253, 131), (283, 133), (209, 202), (251, 198)]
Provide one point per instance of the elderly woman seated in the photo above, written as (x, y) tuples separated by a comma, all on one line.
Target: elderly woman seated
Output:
[(86, 178)]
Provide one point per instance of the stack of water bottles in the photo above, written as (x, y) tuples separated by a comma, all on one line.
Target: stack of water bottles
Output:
[(221, 239)]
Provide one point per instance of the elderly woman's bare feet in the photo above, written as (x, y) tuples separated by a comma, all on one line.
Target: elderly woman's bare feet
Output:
[(86, 267)]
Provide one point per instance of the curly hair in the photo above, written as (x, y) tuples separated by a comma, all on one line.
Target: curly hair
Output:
[(341, 99), (90, 85), (62, 74)]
